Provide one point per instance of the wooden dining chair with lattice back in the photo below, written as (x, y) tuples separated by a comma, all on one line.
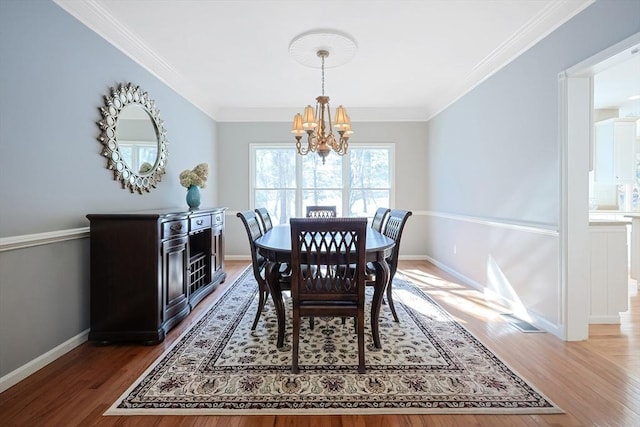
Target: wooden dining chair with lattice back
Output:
[(396, 220), (321, 212), (252, 226), (265, 219), (377, 223), (318, 287), (378, 218), (267, 224)]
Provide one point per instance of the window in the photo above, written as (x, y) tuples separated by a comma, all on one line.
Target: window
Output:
[(286, 183)]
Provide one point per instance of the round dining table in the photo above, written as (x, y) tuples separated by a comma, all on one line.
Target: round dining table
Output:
[(275, 247)]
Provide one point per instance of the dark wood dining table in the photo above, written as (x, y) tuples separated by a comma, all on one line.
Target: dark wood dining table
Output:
[(275, 247)]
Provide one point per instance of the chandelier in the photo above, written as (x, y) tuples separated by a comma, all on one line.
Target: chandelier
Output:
[(320, 136)]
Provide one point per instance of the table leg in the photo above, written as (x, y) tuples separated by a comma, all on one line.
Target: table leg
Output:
[(382, 278), (272, 275), (390, 298)]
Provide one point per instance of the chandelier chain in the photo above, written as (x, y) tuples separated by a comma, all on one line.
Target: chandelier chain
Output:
[(322, 75)]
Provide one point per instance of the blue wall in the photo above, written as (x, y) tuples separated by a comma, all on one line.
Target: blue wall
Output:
[(54, 73), (494, 171)]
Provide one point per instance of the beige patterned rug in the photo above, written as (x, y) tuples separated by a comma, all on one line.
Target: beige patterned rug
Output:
[(428, 364)]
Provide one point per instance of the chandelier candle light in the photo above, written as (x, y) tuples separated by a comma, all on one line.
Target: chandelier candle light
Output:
[(315, 125)]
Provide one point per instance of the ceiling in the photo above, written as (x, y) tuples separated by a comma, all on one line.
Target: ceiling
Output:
[(413, 58), (617, 82)]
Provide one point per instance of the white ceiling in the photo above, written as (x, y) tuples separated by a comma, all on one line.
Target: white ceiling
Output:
[(413, 58), (616, 83)]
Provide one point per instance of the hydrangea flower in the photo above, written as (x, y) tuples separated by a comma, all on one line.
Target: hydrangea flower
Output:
[(196, 176)]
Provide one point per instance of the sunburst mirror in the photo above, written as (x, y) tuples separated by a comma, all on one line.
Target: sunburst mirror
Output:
[(134, 138)]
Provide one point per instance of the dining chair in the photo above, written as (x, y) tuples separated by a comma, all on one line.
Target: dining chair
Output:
[(396, 220), (265, 219), (267, 224), (258, 263), (321, 212), (378, 219), (318, 287), (377, 224)]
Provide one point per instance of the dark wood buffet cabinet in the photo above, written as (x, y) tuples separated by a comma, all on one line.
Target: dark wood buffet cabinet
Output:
[(149, 269)]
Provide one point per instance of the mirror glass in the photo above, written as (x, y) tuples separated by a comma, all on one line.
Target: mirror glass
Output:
[(134, 138), (137, 138)]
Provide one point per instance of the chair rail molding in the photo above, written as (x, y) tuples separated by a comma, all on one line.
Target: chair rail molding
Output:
[(37, 239), (549, 230)]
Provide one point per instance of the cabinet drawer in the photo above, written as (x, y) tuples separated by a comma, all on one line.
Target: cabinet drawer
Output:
[(199, 222), (218, 219), (174, 228)]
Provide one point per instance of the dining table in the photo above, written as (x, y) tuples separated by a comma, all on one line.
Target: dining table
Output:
[(275, 247)]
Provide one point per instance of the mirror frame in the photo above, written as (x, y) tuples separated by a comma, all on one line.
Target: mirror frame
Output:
[(114, 103)]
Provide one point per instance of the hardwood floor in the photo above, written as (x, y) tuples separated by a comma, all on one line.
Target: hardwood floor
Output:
[(596, 382)]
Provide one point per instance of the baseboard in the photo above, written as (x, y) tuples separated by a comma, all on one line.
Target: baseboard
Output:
[(228, 257), (464, 279), (14, 377), (604, 319), (536, 320)]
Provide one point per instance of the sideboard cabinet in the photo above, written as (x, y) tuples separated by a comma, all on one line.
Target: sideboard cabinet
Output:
[(149, 269)]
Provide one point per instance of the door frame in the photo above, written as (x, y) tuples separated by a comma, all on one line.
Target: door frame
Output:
[(575, 128)]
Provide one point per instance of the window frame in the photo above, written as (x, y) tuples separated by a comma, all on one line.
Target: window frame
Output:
[(346, 187)]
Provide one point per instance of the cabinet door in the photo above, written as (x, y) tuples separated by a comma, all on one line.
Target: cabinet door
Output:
[(624, 151), (603, 153), (175, 259), (217, 246)]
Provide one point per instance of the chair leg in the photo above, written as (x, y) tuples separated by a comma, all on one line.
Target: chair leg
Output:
[(390, 299), (382, 275), (261, 303), (273, 274), (296, 342), (360, 325)]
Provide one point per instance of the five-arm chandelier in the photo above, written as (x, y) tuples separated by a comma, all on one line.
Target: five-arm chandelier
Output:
[(317, 123)]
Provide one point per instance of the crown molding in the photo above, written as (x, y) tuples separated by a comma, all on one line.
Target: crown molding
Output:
[(544, 23), (286, 114), (98, 19)]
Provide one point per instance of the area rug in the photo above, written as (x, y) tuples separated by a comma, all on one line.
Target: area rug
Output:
[(428, 364)]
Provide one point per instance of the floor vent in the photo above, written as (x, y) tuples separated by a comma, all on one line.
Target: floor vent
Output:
[(520, 324)]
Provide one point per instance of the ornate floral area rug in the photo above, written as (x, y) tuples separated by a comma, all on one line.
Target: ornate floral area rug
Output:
[(428, 364)]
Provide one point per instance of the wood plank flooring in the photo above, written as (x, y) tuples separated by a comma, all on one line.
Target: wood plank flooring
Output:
[(597, 382)]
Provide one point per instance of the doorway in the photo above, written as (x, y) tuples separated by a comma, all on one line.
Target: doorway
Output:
[(576, 120)]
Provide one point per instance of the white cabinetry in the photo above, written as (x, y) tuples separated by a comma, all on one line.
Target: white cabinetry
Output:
[(634, 260), (614, 159), (608, 271)]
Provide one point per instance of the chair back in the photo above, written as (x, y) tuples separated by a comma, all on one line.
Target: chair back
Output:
[(318, 248), (265, 219), (396, 220), (252, 226), (378, 218), (320, 285), (321, 212)]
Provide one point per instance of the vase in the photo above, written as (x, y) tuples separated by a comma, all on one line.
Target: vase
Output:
[(193, 197)]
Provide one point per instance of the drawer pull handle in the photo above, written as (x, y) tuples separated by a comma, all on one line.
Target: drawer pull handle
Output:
[(200, 222), (176, 227)]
